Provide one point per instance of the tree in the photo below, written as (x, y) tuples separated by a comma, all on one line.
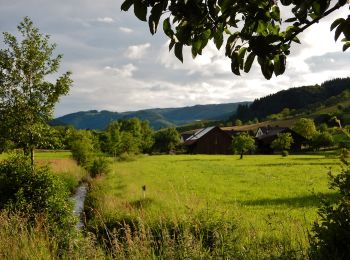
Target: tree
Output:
[(282, 142), (305, 127), (166, 140), (82, 147), (238, 122), (243, 143), (147, 137), (249, 29), (27, 98), (323, 139)]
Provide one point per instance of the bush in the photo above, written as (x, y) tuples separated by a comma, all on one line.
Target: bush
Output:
[(331, 234), (99, 166), (285, 153), (34, 190), (82, 150)]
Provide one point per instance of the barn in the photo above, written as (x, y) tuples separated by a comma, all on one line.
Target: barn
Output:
[(210, 140), (265, 136)]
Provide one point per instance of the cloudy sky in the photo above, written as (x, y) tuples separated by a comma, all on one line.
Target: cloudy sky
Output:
[(118, 65)]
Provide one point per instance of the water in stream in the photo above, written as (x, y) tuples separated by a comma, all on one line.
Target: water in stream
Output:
[(78, 198)]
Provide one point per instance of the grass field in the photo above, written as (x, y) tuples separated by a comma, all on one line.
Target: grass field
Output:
[(271, 198)]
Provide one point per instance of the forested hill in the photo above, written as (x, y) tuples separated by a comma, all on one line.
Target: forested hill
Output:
[(300, 98), (158, 117)]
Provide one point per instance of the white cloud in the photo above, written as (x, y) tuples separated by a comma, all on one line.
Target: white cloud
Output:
[(137, 51), (126, 30), (125, 71), (105, 20)]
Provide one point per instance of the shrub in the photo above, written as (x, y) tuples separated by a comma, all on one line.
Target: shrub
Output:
[(99, 166), (82, 150), (331, 234), (285, 153), (34, 190)]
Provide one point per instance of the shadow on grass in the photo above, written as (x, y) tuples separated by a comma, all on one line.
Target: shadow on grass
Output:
[(141, 203), (197, 159), (305, 159), (297, 202), (290, 164)]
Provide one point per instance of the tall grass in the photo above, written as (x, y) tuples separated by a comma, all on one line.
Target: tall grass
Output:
[(23, 239)]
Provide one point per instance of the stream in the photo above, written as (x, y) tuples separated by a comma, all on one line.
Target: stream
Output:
[(78, 199)]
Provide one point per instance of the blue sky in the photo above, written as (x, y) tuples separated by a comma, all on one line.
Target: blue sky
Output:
[(118, 65)]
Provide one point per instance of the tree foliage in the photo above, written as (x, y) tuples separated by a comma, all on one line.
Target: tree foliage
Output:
[(27, 98), (243, 143), (282, 142), (249, 30), (131, 136), (331, 232), (305, 127), (300, 99), (166, 140), (82, 147), (322, 139)]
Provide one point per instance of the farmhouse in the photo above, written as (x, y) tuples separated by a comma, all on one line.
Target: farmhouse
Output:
[(265, 136), (210, 140)]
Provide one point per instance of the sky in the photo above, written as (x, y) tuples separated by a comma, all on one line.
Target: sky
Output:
[(118, 65)]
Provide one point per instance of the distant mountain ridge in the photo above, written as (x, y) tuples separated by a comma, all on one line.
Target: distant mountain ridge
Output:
[(158, 117)]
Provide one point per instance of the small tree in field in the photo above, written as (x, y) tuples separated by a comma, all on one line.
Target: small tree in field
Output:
[(282, 142), (243, 143), (27, 99), (166, 140)]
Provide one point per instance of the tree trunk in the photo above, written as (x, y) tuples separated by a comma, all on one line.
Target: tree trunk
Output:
[(241, 155), (32, 156)]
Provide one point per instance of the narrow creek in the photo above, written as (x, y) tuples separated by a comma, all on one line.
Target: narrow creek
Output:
[(78, 199)]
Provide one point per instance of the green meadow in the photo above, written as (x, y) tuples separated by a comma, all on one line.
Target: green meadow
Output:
[(271, 199)]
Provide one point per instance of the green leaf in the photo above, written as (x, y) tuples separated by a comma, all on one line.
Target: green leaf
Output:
[(296, 39), (197, 45), (152, 24), (346, 46), (153, 20), (262, 26), (241, 55), (235, 63), (171, 44), (338, 31), (206, 34), (316, 8), (266, 67), (279, 64), (218, 40), (275, 13), (126, 5), (178, 51), (336, 23), (249, 62), (167, 28), (194, 52), (230, 43), (140, 10)]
